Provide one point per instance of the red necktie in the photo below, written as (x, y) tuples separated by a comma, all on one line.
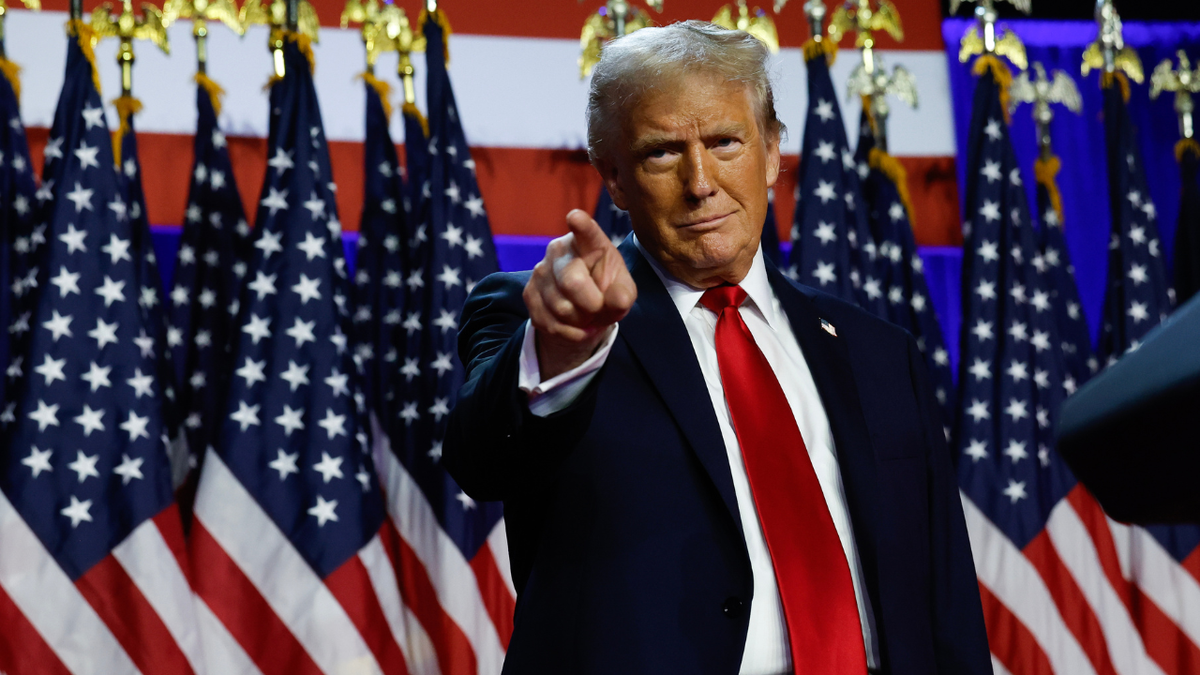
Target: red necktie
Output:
[(810, 564)]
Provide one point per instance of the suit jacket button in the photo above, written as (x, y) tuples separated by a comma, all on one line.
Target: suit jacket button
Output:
[(733, 607)]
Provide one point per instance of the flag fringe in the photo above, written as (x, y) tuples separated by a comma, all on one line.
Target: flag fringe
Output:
[(1184, 146), (87, 39), (1045, 172), (870, 112), (411, 110), (812, 49), (127, 107), (1001, 74), (1106, 81), (383, 89), (304, 42), (214, 91), (894, 170), (442, 20), (12, 73)]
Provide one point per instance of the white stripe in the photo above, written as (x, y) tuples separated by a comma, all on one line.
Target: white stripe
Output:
[(452, 577), (543, 108), (1015, 582), (998, 668), (1157, 574), (498, 542), (52, 603), (1078, 553), (154, 570), (289, 585), (414, 642), (222, 653)]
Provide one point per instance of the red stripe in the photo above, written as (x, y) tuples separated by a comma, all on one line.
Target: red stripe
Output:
[(133, 622), (171, 528), (1076, 613), (1192, 564), (1166, 644), (497, 598), (351, 585), (455, 655), (564, 19), (562, 179), (235, 600), (1010, 641), (22, 649)]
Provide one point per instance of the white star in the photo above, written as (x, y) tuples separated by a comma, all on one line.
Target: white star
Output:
[(180, 296), (825, 151), (1016, 409), (78, 510), (97, 376), (282, 161), (453, 235), (1015, 490), (825, 192), (990, 210), (87, 155), (1137, 235), (338, 338), (1138, 312), (409, 414), (1137, 273), (446, 321), (263, 284), (53, 150), (475, 206), (1016, 451), (896, 213), (977, 450), (415, 280), (1018, 331), (337, 383), (275, 200), (38, 461), (136, 426), (986, 290), (824, 110), (307, 289), (466, 500), (1149, 210), (991, 171), (129, 469), (313, 247), (207, 298), (295, 375), (268, 243), (1018, 371), (449, 276), (825, 233), (217, 180), (111, 291), (73, 238), (59, 325), (992, 130), (442, 363), (824, 273), (290, 420), (117, 249), (988, 251), (45, 415), (85, 466), (324, 511), (871, 288), (52, 369), (92, 117), (258, 328), (252, 371), (315, 206), (334, 425), (979, 411), (412, 323), (982, 330), (440, 408), (142, 384), (1018, 293), (941, 357), (1041, 301), (364, 478), (81, 197), (302, 331), (329, 467), (246, 415), (198, 380), (148, 297), (285, 463)]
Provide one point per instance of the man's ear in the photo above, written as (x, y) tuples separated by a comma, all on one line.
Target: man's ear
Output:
[(608, 174), (772, 160)]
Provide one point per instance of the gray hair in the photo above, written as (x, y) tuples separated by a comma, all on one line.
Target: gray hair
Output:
[(646, 59)]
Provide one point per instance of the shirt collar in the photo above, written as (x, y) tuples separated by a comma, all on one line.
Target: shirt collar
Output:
[(756, 284)]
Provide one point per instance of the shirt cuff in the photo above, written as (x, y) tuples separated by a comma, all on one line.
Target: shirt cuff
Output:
[(560, 391)]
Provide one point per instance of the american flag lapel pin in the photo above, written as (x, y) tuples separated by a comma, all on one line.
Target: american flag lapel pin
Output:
[(828, 328)]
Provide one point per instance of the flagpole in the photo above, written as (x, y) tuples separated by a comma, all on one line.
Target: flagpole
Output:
[(200, 32), (76, 10)]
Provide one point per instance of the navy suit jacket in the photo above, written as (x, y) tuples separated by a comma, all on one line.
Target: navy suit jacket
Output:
[(624, 537)]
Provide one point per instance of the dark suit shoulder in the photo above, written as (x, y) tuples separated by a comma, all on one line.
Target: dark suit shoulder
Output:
[(493, 312), (847, 315)]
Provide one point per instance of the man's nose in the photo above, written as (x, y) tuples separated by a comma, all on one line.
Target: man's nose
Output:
[(699, 173)]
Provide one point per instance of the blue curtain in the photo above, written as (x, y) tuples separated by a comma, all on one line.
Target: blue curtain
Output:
[(1079, 139)]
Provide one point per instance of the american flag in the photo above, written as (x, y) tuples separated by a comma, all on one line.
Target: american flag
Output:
[(832, 247), (294, 565), (92, 562), (202, 305), (1079, 360), (908, 300), (1064, 589), (18, 217), (611, 218), (1187, 236), (452, 549), (770, 233), (382, 252)]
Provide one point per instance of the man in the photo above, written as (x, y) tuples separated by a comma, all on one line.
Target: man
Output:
[(706, 468)]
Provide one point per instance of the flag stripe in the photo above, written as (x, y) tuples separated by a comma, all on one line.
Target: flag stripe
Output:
[(351, 585), (149, 563), (455, 653), (498, 541), (378, 559), (222, 653), (170, 527), (55, 607), (22, 649), (1010, 641), (451, 577), (235, 601), (288, 584), (1078, 554), (496, 596), (1016, 583), (132, 620), (1160, 578)]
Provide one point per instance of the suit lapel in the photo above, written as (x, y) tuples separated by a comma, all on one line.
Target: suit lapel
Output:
[(658, 339), (828, 358)]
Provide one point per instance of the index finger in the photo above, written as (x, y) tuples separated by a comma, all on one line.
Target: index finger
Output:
[(590, 240)]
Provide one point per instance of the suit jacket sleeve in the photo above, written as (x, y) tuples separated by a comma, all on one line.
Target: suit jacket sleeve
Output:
[(959, 633), (494, 446)]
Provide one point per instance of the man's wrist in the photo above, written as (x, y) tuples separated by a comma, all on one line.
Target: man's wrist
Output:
[(556, 357)]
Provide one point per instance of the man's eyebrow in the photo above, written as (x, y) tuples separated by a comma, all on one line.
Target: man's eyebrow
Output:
[(650, 140)]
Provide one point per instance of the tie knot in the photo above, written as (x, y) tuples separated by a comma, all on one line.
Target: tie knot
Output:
[(718, 298)]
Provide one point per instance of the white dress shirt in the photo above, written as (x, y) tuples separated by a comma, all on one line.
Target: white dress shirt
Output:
[(767, 650)]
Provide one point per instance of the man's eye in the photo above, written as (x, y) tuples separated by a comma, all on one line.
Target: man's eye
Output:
[(657, 153), (726, 142)]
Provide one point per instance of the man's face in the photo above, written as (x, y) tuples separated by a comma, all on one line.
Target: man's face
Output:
[(692, 168)]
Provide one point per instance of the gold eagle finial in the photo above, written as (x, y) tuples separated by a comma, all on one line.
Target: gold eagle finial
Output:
[(614, 19), (1109, 52), (1184, 82), (756, 23), (986, 38)]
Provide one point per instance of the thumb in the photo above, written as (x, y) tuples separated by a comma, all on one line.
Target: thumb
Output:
[(590, 240)]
